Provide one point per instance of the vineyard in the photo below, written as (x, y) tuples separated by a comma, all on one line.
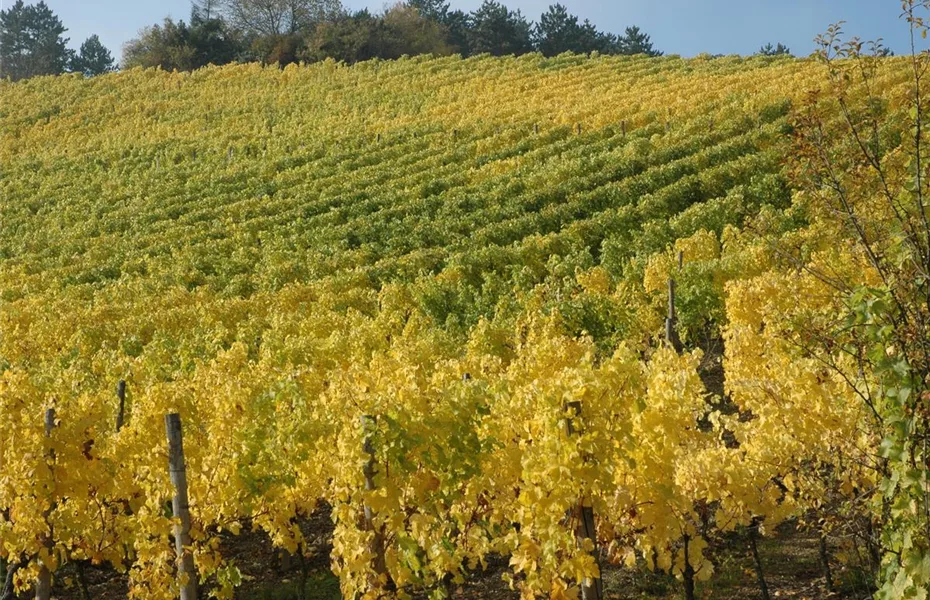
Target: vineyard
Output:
[(566, 311)]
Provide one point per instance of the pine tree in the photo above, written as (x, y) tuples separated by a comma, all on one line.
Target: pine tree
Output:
[(635, 41), (557, 32), (498, 31), (93, 58), (31, 42), (770, 50)]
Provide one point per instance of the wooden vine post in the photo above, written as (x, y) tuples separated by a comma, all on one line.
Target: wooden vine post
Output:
[(44, 579), (583, 515), (121, 394), (187, 577), (671, 322), (378, 565)]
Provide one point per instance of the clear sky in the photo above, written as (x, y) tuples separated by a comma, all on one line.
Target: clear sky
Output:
[(685, 27)]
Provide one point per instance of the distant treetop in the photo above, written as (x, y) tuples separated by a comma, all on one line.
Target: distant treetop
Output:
[(777, 50), (32, 43), (286, 31)]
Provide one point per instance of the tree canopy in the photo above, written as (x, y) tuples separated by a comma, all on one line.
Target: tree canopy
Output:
[(32, 38), (634, 41), (770, 50), (497, 30), (278, 17), (558, 31), (31, 41), (93, 58)]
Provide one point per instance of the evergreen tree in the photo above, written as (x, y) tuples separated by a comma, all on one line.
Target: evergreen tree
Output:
[(214, 42), (93, 58), (592, 39), (770, 50), (31, 42), (498, 31), (557, 32), (457, 26), (635, 41)]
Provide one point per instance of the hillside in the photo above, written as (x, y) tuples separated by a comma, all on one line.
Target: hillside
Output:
[(241, 180), (463, 254)]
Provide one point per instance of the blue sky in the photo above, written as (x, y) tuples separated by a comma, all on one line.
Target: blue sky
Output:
[(685, 27)]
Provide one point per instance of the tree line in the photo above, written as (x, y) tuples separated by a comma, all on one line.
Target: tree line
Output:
[(281, 32), (286, 31)]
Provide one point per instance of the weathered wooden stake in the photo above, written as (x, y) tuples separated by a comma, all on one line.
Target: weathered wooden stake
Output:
[(578, 127), (536, 128), (50, 424), (377, 544), (681, 259), (378, 138), (44, 580), (623, 128), (121, 394), (187, 577), (591, 587), (671, 333)]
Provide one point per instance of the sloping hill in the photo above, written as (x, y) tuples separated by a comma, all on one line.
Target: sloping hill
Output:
[(457, 247)]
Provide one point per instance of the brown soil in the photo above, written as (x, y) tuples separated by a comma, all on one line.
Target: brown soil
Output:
[(791, 564)]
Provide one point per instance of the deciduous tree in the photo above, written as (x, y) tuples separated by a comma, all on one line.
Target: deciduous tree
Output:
[(279, 17)]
